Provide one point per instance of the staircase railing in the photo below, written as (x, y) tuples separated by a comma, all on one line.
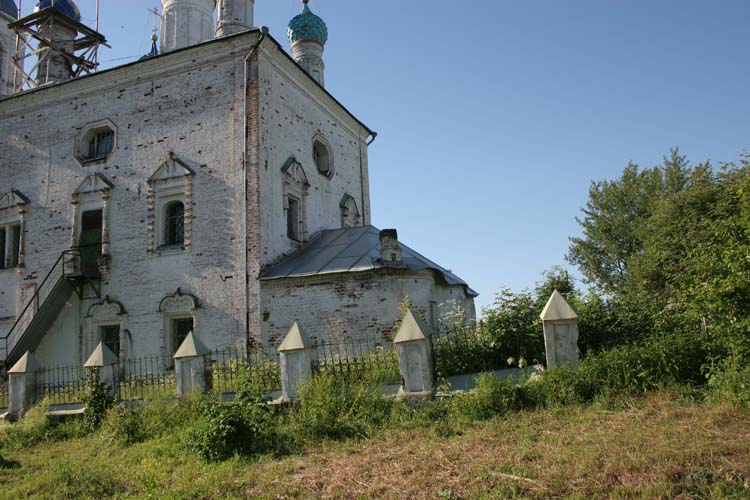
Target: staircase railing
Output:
[(67, 266)]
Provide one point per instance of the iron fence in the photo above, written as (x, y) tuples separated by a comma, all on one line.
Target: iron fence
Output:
[(61, 385), (3, 393), (144, 378), (358, 358), (232, 370), (466, 348)]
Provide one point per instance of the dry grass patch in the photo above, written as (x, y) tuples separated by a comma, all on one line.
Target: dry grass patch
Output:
[(657, 448)]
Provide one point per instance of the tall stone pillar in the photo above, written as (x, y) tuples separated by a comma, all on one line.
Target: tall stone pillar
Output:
[(22, 385), (185, 23), (234, 16), (54, 67), (108, 365), (296, 356), (190, 366), (560, 323), (415, 358)]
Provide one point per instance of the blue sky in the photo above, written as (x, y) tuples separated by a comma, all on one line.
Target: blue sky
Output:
[(494, 116)]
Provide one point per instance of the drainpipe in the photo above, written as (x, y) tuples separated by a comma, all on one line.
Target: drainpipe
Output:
[(372, 137), (263, 34)]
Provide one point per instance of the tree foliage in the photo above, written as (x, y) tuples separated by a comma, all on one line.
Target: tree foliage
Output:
[(673, 242)]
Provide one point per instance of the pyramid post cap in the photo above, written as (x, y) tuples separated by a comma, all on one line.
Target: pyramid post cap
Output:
[(557, 308), (27, 364), (191, 347), (412, 328), (102, 356), (295, 340)]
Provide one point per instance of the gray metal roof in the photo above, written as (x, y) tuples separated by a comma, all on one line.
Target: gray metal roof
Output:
[(9, 7), (351, 250)]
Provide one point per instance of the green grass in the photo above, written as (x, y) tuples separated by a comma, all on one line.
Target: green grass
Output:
[(660, 446)]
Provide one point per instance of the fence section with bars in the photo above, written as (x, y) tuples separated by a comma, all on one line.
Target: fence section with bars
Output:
[(466, 348), (3, 395), (61, 385), (229, 369), (358, 358), (146, 378)]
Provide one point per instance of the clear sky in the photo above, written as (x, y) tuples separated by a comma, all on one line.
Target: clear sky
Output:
[(495, 115)]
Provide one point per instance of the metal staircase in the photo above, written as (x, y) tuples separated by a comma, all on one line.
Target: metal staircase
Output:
[(70, 273)]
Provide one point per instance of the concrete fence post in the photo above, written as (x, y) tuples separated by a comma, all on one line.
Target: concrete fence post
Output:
[(108, 364), (560, 323), (296, 356), (415, 356), (190, 366), (22, 385)]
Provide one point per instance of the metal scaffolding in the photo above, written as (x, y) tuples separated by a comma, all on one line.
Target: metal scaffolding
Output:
[(33, 40)]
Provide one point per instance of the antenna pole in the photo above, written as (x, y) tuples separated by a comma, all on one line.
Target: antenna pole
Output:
[(96, 49)]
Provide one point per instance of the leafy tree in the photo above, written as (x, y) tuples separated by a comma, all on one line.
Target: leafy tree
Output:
[(615, 219)]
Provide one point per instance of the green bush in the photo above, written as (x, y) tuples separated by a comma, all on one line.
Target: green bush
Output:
[(221, 433), (242, 428), (334, 408), (492, 396), (557, 387), (649, 364), (729, 382), (97, 401), (626, 370), (32, 429), (125, 425)]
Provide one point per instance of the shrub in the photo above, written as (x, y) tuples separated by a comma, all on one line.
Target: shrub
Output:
[(97, 400), (491, 397), (337, 409), (254, 380), (221, 433), (242, 428), (32, 429), (729, 382), (125, 426), (649, 364), (557, 387)]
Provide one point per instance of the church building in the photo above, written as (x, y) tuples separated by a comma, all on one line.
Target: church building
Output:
[(212, 186)]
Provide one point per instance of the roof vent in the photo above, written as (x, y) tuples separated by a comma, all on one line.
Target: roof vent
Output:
[(390, 249)]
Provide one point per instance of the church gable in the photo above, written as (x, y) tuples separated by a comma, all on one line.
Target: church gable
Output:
[(12, 199), (294, 172), (173, 168), (94, 183)]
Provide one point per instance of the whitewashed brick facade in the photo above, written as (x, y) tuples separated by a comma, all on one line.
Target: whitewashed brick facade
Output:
[(233, 111)]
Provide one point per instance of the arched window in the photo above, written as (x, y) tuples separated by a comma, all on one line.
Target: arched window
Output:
[(174, 223), (322, 157)]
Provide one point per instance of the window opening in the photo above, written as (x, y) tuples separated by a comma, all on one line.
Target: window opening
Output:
[(110, 336), (174, 223), (322, 158), (292, 218), (101, 145), (181, 327)]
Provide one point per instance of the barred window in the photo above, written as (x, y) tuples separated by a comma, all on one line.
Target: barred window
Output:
[(174, 223), (101, 145)]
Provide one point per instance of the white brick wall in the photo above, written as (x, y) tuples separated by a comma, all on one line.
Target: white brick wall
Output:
[(190, 102), (181, 103), (351, 304), (293, 110)]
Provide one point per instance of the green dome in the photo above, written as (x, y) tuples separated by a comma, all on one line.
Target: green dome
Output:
[(308, 26)]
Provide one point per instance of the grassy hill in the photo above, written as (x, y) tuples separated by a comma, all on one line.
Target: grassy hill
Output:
[(660, 446)]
